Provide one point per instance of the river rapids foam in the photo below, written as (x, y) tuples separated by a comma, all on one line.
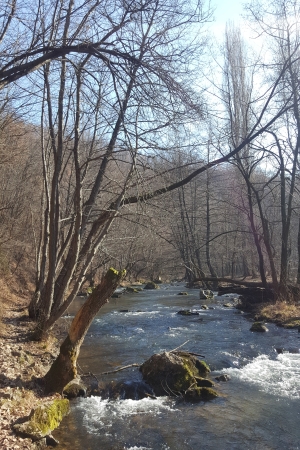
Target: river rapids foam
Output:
[(279, 377)]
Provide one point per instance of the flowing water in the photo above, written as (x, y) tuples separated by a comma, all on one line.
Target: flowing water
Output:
[(259, 407)]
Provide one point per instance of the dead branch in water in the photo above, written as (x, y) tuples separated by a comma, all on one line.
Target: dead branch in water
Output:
[(120, 368), (190, 353)]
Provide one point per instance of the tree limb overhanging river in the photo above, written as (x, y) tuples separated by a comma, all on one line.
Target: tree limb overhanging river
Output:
[(259, 406)]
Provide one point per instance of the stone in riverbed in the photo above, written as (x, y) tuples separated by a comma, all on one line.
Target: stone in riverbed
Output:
[(132, 290), (178, 374), (151, 285), (224, 377), (206, 293), (74, 389), (259, 326), (200, 394), (187, 312)]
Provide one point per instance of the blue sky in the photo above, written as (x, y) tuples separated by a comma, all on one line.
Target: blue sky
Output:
[(226, 10)]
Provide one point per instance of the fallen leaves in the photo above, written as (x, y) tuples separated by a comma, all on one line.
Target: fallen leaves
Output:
[(21, 362)]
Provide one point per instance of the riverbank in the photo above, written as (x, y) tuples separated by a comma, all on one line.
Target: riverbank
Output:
[(22, 363), (283, 314), (260, 304)]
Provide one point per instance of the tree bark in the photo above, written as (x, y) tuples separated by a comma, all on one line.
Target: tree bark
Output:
[(64, 369)]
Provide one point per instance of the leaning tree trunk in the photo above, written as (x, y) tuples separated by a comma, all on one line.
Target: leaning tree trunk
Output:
[(64, 369)]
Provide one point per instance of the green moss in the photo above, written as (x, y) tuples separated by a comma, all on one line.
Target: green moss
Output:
[(132, 290), (197, 394), (208, 393), (190, 372), (47, 418), (44, 419), (184, 379), (90, 290), (202, 367), (113, 273)]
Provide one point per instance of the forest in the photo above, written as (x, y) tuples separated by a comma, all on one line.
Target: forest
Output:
[(131, 138)]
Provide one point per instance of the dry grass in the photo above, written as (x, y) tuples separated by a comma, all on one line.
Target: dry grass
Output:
[(282, 313)]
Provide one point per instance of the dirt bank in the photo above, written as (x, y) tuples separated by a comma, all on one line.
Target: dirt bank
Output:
[(22, 364)]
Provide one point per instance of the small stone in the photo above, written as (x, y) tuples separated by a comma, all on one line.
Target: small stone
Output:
[(259, 326), (224, 377), (188, 312)]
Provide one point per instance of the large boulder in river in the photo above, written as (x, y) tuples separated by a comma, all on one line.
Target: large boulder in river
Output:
[(178, 374)]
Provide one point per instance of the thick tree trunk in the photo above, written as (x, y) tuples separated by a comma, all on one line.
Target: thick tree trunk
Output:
[(64, 369)]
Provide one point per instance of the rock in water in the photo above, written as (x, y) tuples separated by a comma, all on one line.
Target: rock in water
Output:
[(187, 312), (151, 285), (178, 374), (74, 389), (259, 326), (205, 294)]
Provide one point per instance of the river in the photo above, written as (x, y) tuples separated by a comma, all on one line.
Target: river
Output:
[(259, 408)]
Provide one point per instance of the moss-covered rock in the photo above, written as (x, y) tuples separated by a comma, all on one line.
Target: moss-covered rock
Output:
[(151, 285), (259, 326), (43, 420), (200, 394), (176, 373), (224, 377)]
